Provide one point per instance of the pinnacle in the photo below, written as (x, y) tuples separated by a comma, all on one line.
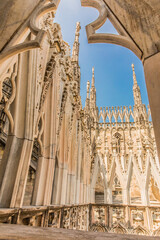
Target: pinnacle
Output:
[(93, 79)]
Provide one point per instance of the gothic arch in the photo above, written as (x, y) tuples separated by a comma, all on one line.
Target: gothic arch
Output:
[(139, 230), (120, 129), (98, 228), (119, 229), (32, 26), (101, 118), (113, 118), (107, 119), (119, 114), (104, 12), (131, 117), (119, 119)]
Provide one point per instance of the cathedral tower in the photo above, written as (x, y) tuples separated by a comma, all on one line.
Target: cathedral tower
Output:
[(75, 50), (75, 57), (136, 90), (93, 92), (139, 107)]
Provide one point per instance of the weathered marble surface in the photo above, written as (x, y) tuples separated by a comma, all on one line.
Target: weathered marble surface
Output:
[(24, 232), (141, 20), (12, 14)]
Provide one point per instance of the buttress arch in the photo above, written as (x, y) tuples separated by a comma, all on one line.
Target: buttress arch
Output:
[(141, 39)]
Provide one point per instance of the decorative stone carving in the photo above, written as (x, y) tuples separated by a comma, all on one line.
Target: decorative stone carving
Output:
[(8, 93)]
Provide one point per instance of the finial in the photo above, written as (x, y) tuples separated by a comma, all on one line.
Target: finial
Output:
[(93, 78), (78, 27), (75, 50), (134, 75), (88, 86)]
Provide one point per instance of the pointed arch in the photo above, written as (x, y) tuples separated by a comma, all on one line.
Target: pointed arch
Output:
[(131, 118), (119, 120), (101, 120), (139, 230), (113, 119), (107, 119), (97, 228), (124, 118), (119, 229), (120, 129)]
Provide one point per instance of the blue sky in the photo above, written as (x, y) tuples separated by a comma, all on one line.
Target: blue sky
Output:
[(112, 63)]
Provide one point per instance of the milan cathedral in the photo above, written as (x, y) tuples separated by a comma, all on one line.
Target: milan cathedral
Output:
[(62, 165)]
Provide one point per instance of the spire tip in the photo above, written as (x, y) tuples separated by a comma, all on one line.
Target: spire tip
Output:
[(78, 27), (93, 80), (88, 86)]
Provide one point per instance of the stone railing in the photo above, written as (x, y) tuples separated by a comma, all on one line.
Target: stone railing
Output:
[(90, 217)]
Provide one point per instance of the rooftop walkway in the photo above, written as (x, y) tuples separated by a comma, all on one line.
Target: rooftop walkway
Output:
[(20, 232)]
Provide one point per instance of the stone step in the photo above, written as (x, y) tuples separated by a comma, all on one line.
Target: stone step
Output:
[(21, 232)]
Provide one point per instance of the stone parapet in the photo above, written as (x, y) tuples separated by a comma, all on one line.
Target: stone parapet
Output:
[(109, 218)]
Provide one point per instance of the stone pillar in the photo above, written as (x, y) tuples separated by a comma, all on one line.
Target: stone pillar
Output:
[(126, 196), (16, 158), (38, 191), (144, 196), (152, 77), (127, 216), (60, 182), (148, 218), (46, 164), (79, 162), (109, 195)]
